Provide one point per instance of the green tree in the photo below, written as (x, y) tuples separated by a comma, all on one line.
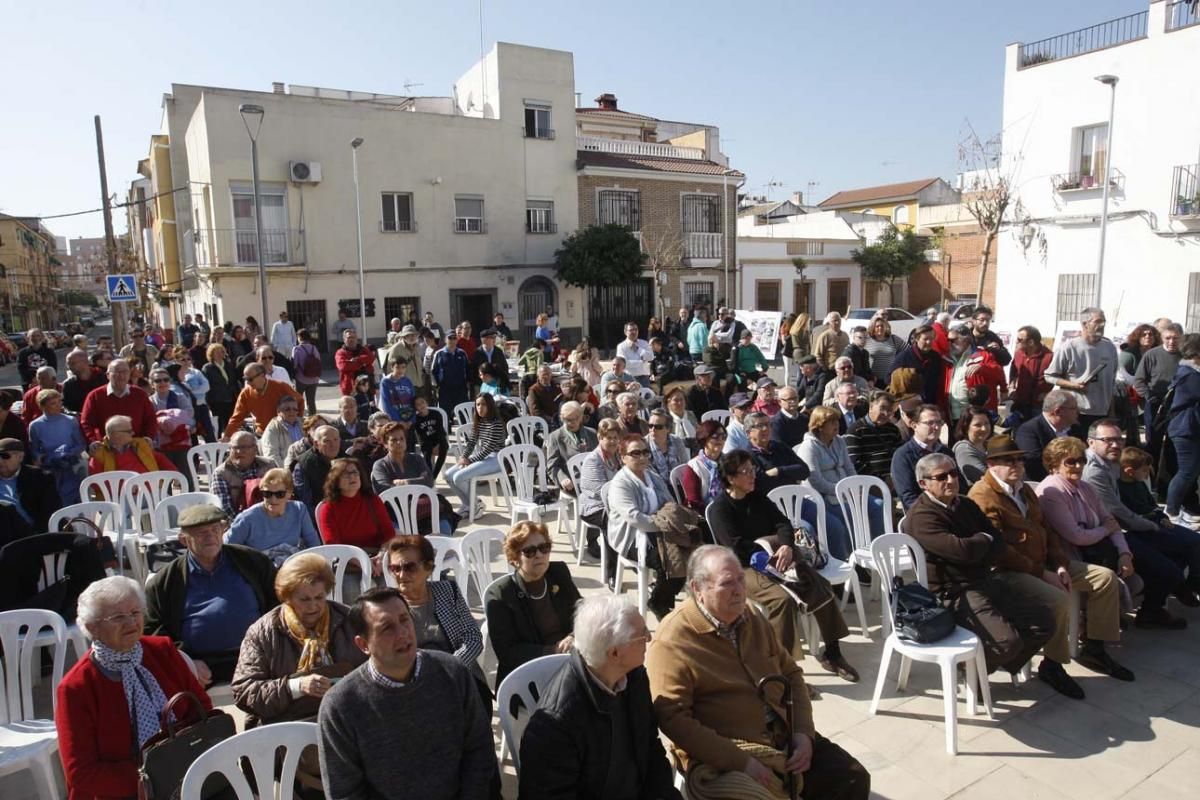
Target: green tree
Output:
[(896, 255), (599, 255)]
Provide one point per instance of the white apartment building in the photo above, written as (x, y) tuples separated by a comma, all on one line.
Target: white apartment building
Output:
[(464, 198), (1056, 121), (830, 281)]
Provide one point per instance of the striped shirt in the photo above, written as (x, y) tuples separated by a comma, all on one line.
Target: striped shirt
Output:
[(882, 355), (488, 441)]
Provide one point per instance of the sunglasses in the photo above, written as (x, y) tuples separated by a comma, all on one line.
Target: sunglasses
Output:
[(1010, 460), (942, 477), (274, 494), (405, 568), (532, 550), (1074, 462), (659, 427), (162, 380), (639, 453)]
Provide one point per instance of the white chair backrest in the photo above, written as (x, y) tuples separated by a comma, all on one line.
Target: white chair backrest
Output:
[(339, 557), (676, 484), (166, 513), (526, 682), (889, 553), (487, 658), (19, 631), (257, 746), (105, 486), (402, 501), (464, 413), (523, 469), (719, 414), (575, 469), (141, 494), (445, 418), (854, 494), (107, 516), (445, 548), (790, 500), (206, 459), (522, 430), (479, 549), (520, 404), (647, 395)]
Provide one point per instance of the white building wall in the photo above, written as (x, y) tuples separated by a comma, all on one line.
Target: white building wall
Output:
[(1149, 256)]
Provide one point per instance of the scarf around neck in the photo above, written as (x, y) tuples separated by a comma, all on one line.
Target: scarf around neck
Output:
[(314, 645), (143, 694)]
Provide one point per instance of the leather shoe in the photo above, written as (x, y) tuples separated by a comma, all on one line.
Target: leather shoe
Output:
[(1102, 662), (839, 666), (1159, 619), (1187, 597), (1052, 673)]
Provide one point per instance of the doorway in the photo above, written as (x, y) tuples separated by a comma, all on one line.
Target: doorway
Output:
[(476, 306), (533, 297), (309, 314), (610, 307), (839, 295)]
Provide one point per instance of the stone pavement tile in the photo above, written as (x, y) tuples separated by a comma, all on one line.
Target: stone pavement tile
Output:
[(1007, 783), (1172, 654), (1181, 723), (929, 707), (1074, 771), (1143, 699), (1178, 779), (896, 737), (887, 780), (833, 715)]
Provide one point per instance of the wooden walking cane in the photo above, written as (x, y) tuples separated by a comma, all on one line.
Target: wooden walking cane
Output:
[(789, 778)]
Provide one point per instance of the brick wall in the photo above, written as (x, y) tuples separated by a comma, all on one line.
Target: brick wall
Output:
[(662, 237), (964, 251)]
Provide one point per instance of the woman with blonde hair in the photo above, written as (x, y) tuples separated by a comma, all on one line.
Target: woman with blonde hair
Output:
[(801, 336), (882, 346)]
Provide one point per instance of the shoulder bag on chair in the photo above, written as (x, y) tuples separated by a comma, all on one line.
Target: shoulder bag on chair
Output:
[(917, 614), (166, 756)]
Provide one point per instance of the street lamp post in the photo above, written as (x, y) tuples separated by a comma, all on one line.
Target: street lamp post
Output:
[(362, 292), (1111, 82), (250, 110)]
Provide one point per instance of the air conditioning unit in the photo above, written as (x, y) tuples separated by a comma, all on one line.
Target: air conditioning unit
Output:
[(304, 171)]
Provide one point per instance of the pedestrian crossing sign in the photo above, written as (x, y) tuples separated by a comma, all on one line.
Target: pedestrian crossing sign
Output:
[(122, 289)]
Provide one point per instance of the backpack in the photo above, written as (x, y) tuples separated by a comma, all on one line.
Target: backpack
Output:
[(312, 363)]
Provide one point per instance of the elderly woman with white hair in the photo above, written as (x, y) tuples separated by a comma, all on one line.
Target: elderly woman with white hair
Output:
[(572, 746), (113, 697)]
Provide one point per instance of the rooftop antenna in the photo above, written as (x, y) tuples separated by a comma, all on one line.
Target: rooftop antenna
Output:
[(772, 184), (409, 85), (482, 62), (808, 195)]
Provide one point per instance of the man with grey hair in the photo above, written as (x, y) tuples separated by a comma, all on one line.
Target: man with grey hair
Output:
[(627, 415), (964, 553), (243, 464), (843, 375), (1087, 367), (594, 735), (829, 343), (1059, 418), (708, 654), (1153, 377), (45, 378), (313, 467), (567, 441)]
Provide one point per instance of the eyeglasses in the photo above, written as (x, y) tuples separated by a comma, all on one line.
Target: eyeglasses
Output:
[(1108, 439), (6, 455), (1007, 460), (397, 440), (529, 551), (278, 494), (405, 567), (162, 380), (746, 471), (942, 477), (639, 453), (931, 423), (121, 619), (1074, 462)]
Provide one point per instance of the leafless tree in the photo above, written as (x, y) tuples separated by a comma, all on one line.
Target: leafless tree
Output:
[(663, 247), (989, 188)]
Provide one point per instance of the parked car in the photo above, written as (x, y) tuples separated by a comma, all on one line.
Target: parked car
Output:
[(74, 328), (958, 309), (903, 323), (18, 339), (87, 321)]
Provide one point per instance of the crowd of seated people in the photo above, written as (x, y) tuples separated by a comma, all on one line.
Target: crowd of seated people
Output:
[(245, 603)]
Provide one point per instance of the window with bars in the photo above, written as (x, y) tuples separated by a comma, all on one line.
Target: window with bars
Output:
[(697, 293), (406, 309), (701, 213), (537, 122), (806, 248), (1192, 319), (539, 216), (468, 215), (397, 213), (766, 295), (614, 206), (1076, 291)]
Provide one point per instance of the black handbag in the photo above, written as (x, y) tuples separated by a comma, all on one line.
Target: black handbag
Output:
[(166, 756), (917, 616)]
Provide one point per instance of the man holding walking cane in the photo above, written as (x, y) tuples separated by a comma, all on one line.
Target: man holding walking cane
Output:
[(706, 666)]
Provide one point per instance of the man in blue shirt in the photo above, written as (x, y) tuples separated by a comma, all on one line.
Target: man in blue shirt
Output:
[(28, 495), (450, 370)]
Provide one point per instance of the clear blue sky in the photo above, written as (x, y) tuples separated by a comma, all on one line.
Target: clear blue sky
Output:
[(846, 94)]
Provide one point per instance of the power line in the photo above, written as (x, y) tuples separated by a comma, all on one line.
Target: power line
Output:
[(97, 210)]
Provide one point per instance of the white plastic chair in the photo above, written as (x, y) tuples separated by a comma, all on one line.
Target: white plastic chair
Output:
[(105, 486), (853, 495), (647, 395), (962, 646), (676, 483), (790, 500), (638, 565), (446, 555), (204, 460), (519, 402), (477, 556), (523, 430), (464, 413), (527, 682), (403, 501), (523, 474), (575, 470), (720, 415), (107, 517), (140, 496), (339, 557), (257, 746), (166, 513), (27, 742)]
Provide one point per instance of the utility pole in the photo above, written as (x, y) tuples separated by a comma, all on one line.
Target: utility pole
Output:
[(110, 242)]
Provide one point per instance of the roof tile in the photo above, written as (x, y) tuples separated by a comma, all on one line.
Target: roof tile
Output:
[(690, 166), (872, 193)]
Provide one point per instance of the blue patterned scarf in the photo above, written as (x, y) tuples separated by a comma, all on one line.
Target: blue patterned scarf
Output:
[(142, 692)]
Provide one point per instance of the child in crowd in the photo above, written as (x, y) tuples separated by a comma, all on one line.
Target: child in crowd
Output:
[(396, 393), (431, 435), (1134, 486), (490, 385)]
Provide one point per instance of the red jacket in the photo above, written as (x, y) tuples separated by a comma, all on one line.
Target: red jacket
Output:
[(30, 409), (990, 374), (361, 520), (95, 734), (351, 364), (100, 405), (941, 339), (1028, 372)]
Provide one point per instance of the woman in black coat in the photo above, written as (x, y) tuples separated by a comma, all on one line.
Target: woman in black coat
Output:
[(223, 384), (530, 613)]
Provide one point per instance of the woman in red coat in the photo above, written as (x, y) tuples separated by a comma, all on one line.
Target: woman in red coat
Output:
[(113, 696), (351, 512), (353, 359)]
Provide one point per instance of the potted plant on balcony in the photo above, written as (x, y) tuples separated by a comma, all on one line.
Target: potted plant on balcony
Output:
[(1067, 183)]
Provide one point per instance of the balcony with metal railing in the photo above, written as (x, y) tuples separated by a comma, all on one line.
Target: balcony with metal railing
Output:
[(1085, 40), (208, 248), (1182, 14), (703, 249), (598, 144), (1087, 181), (1185, 192)]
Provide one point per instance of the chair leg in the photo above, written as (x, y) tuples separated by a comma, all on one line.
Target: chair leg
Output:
[(471, 490), (856, 590), (884, 663), (950, 703), (619, 578), (969, 684), (43, 777), (985, 688), (643, 579), (1073, 625), (905, 671)]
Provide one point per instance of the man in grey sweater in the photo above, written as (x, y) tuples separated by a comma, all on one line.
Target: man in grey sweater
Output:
[(1152, 379), (408, 723), (1087, 366)]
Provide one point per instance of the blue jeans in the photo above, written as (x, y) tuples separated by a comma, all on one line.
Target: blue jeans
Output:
[(459, 478), (1187, 453), (841, 543)]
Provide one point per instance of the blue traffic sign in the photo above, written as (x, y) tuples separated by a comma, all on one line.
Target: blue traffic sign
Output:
[(122, 289)]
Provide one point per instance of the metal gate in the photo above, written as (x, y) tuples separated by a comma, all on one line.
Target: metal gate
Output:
[(535, 296), (309, 314), (610, 307)]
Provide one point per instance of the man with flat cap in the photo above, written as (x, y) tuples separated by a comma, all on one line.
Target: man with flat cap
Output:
[(28, 495), (408, 350), (206, 598), (488, 353)]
